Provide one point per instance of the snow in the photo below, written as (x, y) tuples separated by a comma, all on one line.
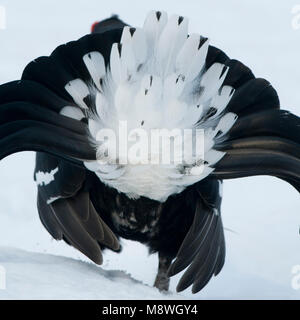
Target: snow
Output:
[(40, 273), (263, 212)]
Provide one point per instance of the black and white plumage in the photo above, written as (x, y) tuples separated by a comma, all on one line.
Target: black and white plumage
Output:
[(155, 76)]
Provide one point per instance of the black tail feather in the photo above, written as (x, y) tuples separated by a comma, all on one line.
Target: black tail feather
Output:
[(262, 143), (26, 135)]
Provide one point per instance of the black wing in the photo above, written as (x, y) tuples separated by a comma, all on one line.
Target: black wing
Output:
[(65, 207), (30, 120), (202, 252)]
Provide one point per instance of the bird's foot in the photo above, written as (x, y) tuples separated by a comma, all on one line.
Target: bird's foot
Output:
[(162, 281)]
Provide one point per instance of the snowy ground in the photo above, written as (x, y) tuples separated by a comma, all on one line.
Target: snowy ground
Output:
[(263, 212)]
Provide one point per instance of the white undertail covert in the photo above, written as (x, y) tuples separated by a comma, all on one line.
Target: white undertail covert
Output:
[(156, 79)]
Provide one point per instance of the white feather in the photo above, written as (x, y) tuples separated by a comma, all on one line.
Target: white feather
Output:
[(191, 58), (111, 175), (212, 80), (136, 38), (92, 165), (225, 123), (213, 156), (128, 60), (72, 112), (201, 171), (170, 41), (101, 107), (94, 127), (153, 26), (78, 90), (117, 70), (95, 64), (193, 114), (221, 100), (173, 86), (175, 111)]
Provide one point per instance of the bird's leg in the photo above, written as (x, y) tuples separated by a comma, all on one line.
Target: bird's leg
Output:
[(162, 281)]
